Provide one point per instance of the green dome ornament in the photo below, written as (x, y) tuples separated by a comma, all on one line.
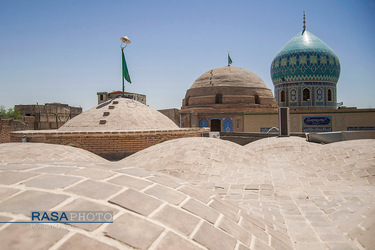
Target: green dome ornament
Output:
[(309, 62)]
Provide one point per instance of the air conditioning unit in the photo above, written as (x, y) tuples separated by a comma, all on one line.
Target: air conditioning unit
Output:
[(214, 135)]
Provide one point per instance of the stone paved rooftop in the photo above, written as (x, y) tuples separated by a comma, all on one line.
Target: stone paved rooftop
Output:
[(194, 193)]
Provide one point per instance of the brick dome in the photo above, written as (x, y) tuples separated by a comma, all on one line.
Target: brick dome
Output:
[(228, 85), (229, 76)]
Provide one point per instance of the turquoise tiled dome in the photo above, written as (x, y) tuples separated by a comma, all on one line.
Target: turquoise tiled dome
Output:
[(305, 58)]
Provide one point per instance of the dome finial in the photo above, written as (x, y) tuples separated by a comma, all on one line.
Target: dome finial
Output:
[(304, 22)]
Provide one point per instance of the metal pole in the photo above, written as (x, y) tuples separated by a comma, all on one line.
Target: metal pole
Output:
[(122, 68)]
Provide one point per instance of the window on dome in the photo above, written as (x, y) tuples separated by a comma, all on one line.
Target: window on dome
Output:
[(329, 95), (187, 101), (219, 99), (306, 95), (282, 96), (257, 100)]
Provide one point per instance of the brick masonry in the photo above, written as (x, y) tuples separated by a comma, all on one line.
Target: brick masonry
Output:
[(7, 126), (111, 145)]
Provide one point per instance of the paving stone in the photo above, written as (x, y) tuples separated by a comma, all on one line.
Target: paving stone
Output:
[(341, 245), (213, 238), (79, 241), (279, 239), (303, 237), (94, 189), (94, 174), (166, 181), (242, 247), (195, 193), (254, 229), (177, 219), (234, 229), (136, 201), (252, 219), (55, 170), (128, 181), (134, 231), (366, 239), (332, 237), (166, 194), (29, 201), (225, 210), (172, 241), (6, 192), (85, 205), (310, 246), (31, 236), (5, 218), (17, 167), (9, 178), (201, 210), (280, 243), (136, 172), (51, 181), (261, 245)]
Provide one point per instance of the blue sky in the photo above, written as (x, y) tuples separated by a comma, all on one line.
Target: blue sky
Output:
[(67, 51)]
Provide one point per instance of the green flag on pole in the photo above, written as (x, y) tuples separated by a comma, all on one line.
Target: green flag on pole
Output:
[(229, 60), (125, 72)]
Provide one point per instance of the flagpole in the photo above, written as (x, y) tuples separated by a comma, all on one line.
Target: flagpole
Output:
[(229, 59), (125, 74), (122, 64)]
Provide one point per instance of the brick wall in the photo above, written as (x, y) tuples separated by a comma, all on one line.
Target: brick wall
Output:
[(111, 145), (7, 126)]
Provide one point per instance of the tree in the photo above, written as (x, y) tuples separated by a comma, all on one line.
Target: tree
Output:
[(10, 113)]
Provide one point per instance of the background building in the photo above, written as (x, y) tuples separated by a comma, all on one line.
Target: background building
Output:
[(47, 116), (305, 73), (105, 96)]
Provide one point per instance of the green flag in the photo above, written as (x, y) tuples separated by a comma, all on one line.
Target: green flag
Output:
[(229, 60), (125, 72)]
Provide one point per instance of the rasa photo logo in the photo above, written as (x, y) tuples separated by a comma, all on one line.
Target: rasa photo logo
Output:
[(72, 217)]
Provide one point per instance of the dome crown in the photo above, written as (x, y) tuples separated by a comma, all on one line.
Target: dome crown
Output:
[(305, 41), (229, 76)]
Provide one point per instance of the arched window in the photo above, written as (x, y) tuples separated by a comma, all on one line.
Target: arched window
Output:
[(306, 95), (257, 100), (329, 95), (219, 98), (282, 96)]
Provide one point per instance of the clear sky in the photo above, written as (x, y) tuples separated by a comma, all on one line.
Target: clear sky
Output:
[(67, 51)]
